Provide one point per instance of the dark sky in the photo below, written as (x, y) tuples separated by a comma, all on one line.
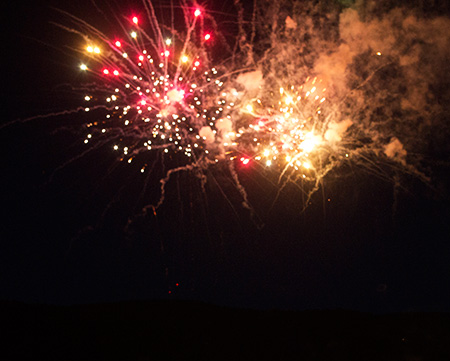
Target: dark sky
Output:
[(65, 235)]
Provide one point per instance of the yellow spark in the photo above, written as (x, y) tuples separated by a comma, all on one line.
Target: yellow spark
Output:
[(184, 59), (309, 143), (83, 67), (249, 108), (133, 34), (168, 41)]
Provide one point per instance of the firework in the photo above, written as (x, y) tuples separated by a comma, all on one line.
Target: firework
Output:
[(159, 93), (295, 104)]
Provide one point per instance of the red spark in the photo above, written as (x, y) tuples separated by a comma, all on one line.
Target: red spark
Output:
[(245, 161)]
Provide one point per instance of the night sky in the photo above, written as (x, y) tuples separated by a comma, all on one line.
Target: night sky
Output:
[(72, 232)]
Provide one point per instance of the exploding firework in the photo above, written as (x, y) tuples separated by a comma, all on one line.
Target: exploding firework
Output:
[(159, 90), (299, 96), (331, 89)]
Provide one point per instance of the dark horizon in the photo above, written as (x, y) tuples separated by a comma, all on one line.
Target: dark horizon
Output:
[(187, 330)]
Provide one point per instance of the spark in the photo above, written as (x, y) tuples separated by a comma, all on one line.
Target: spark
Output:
[(93, 49)]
